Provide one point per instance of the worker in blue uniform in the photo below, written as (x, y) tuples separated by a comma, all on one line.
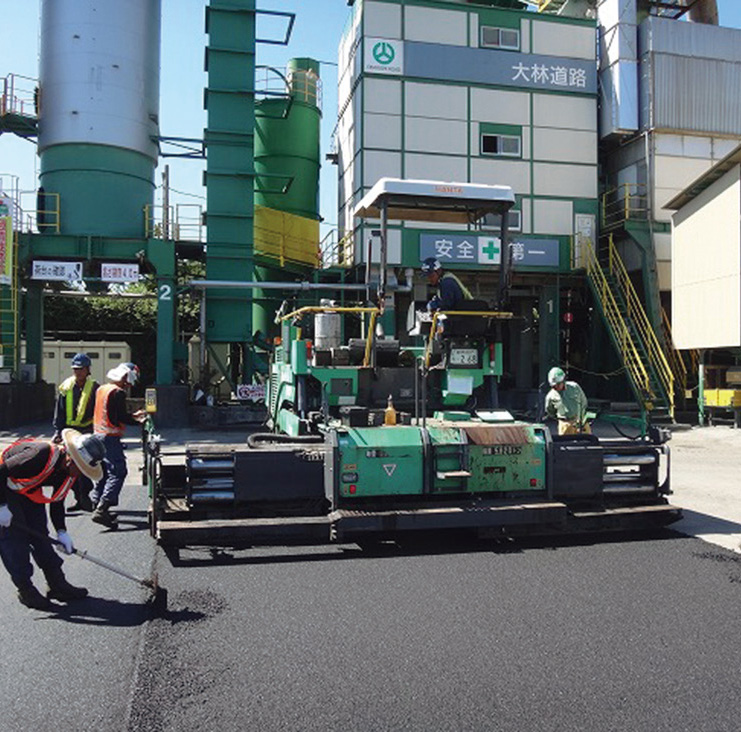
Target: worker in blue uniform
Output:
[(451, 292)]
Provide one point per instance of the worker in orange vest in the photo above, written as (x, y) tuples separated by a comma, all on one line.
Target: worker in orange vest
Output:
[(27, 467), (109, 421)]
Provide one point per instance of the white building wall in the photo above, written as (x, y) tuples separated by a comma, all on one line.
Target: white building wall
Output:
[(504, 107), (679, 160), (382, 20), (553, 217), (569, 41), (706, 267), (435, 101), (554, 179), (558, 145), (430, 25), (436, 135), (430, 129)]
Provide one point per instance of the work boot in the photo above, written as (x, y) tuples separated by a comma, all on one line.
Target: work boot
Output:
[(83, 503), (60, 589), (29, 596), (101, 515)]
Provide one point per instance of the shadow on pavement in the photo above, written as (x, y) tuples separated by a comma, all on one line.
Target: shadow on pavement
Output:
[(694, 522), (419, 546), (101, 611)]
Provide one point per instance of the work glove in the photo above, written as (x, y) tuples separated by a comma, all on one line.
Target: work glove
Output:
[(66, 541), (6, 516)]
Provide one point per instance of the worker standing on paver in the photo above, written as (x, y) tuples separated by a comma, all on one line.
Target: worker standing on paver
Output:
[(26, 468), (74, 408), (110, 419), (567, 402), (451, 292)]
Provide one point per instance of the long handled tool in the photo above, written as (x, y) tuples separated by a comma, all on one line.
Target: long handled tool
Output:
[(158, 595)]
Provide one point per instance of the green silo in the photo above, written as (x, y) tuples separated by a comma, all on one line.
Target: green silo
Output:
[(287, 154)]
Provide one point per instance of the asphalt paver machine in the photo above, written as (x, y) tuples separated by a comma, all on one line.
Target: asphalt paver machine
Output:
[(373, 441)]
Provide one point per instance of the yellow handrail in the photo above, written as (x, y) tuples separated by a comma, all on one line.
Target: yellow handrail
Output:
[(679, 369), (329, 309), (637, 314), (626, 202), (628, 351)]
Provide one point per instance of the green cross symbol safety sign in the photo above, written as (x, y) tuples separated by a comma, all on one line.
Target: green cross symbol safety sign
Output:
[(491, 250), (384, 53)]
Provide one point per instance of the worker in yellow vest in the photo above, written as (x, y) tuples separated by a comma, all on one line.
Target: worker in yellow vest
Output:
[(74, 410)]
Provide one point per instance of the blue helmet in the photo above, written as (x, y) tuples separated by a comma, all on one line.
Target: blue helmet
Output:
[(81, 361), (430, 265)]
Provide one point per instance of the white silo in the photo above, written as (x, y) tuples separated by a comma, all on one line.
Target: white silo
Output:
[(99, 111)]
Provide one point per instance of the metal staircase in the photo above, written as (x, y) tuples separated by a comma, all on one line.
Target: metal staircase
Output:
[(646, 366), (683, 365)]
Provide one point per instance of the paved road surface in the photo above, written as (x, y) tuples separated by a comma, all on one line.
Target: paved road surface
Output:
[(641, 634)]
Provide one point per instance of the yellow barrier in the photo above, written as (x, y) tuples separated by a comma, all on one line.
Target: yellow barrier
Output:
[(286, 237)]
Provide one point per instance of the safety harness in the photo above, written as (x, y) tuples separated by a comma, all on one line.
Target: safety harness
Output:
[(32, 488)]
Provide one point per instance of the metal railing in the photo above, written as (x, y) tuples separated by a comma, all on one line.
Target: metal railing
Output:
[(20, 96), (682, 372), (336, 252), (637, 315), (178, 222), (625, 202), (626, 346), (495, 314), (374, 313)]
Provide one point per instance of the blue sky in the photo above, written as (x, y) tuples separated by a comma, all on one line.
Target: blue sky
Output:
[(318, 26)]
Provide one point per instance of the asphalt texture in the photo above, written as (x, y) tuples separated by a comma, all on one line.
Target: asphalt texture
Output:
[(639, 632)]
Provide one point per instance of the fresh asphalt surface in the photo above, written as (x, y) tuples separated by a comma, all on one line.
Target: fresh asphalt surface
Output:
[(631, 632)]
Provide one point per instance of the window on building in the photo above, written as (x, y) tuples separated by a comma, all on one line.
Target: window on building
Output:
[(492, 222), (506, 38), (506, 145)]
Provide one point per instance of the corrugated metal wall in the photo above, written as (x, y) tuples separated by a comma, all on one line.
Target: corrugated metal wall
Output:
[(690, 77)]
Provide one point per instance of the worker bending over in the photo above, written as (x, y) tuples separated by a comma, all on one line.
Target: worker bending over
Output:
[(451, 292), (26, 468), (566, 402)]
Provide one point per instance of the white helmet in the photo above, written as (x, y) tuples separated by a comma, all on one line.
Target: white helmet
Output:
[(556, 375)]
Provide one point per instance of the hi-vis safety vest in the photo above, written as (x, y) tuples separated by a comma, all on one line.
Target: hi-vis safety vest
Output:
[(101, 424), (67, 389), (466, 292), (32, 488)]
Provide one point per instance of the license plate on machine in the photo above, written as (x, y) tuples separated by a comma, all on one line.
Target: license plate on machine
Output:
[(464, 357)]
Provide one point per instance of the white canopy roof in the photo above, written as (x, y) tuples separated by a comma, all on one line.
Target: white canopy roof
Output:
[(431, 200)]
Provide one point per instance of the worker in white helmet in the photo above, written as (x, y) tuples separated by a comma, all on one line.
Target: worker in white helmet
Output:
[(567, 402)]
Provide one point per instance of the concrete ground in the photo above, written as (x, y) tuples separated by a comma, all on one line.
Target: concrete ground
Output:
[(706, 479)]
